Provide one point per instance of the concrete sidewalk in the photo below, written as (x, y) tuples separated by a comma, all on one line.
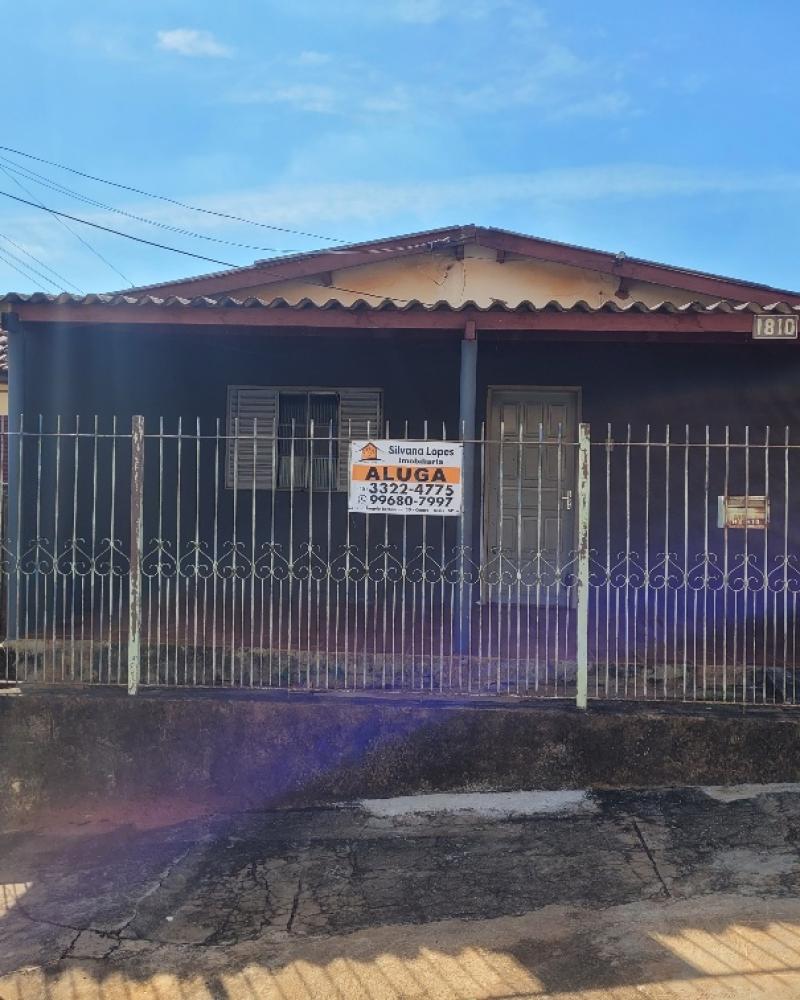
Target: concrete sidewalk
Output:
[(677, 893)]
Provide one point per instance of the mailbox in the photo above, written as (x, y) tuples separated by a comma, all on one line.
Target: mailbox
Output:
[(751, 512)]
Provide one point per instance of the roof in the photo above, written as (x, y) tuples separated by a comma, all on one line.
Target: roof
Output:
[(423, 242), (391, 305), (320, 262), (693, 322)]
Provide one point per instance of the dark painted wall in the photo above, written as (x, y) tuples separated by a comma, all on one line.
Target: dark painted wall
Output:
[(163, 373), (181, 373), (170, 375), (658, 383)]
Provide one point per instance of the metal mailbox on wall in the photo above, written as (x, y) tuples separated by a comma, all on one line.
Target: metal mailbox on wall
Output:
[(751, 512)]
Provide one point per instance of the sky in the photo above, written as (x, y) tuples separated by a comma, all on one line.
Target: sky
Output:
[(667, 130)]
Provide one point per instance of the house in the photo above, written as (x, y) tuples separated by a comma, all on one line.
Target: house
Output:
[(181, 481)]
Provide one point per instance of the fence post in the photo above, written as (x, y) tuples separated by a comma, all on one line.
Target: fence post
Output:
[(466, 420), (584, 489), (135, 602)]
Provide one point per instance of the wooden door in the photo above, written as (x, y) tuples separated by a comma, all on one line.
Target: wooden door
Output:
[(529, 490)]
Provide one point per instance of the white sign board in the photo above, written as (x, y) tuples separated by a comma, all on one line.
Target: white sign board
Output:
[(406, 477)]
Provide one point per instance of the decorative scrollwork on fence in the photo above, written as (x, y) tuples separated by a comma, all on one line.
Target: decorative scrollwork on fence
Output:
[(74, 560), (160, 560), (501, 571)]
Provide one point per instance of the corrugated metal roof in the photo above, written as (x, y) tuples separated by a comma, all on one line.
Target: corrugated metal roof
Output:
[(391, 305)]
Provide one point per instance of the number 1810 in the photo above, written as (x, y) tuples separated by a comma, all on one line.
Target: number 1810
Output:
[(775, 328)]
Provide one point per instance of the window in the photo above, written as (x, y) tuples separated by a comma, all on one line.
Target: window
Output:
[(275, 447), (308, 445)]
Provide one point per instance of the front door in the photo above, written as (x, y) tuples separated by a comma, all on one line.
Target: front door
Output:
[(530, 488)]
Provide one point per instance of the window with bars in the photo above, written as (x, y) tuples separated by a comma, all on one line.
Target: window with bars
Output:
[(308, 445), (296, 438)]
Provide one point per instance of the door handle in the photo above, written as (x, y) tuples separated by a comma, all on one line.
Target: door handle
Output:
[(567, 500)]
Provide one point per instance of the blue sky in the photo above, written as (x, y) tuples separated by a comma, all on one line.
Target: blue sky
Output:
[(668, 130)]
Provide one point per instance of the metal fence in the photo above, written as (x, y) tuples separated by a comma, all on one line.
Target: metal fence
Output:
[(694, 572), (592, 567)]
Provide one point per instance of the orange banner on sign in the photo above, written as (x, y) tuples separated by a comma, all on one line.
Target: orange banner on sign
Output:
[(374, 473)]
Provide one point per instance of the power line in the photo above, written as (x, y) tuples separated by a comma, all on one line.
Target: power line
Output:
[(422, 245), (117, 232), (32, 269), (172, 201), (186, 253), (37, 178), (32, 175), (41, 263), (77, 236), (20, 271)]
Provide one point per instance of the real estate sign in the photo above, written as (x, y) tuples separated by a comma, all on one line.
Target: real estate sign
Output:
[(406, 477)]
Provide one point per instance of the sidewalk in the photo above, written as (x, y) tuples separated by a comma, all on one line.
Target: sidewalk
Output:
[(680, 893)]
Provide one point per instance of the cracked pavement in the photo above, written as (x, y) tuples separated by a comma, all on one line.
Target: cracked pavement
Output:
[(679, 893)]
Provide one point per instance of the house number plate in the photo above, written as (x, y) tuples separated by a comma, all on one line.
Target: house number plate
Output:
[(773, 326)]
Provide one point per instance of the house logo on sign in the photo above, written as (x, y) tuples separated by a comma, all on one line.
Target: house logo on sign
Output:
[(369, 453)]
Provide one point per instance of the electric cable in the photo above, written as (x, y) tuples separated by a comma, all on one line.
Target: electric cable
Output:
[(41, 263), (172, 201), (61, 189), (77, 236), (422, 245), (31, 268), (20, 271), (117, 232)]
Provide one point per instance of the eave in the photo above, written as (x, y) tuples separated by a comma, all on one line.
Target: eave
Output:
[(633, 321)]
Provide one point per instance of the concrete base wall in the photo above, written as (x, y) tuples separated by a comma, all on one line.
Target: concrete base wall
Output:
[(69, 749)]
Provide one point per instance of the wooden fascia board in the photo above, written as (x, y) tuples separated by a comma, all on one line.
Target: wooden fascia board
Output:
[(655, 274), (343, 319)]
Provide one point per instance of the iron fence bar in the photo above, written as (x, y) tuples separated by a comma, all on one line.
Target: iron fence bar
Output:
[(135, 582), (785, 587), (582, 585)]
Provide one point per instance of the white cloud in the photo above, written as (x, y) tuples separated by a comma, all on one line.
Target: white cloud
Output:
[(313, 58), (192, 42), (318, 205), (537, 71), (395, 101), (416, 11), (608, 105), (313, 97), (521, 13)]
